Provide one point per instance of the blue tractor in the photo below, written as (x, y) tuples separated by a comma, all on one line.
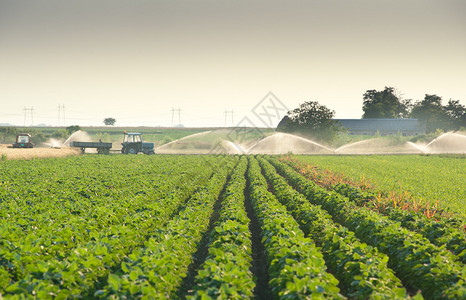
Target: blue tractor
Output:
[(133, 144)]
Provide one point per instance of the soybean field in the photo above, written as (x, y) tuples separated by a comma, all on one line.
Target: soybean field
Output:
[(430, 179), (214, 227)]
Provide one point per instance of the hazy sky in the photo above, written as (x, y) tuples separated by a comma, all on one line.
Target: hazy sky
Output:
[(136, 60)]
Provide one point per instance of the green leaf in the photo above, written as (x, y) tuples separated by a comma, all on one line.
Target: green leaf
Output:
[(125, 267), (133, 275), (114, 281)]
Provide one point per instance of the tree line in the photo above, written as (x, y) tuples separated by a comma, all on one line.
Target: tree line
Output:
[(313, 117), (430, 110)]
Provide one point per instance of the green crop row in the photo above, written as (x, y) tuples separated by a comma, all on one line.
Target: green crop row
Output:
[(55, 239), (85, 266), (361, 269), (429, 178), (127, 227), (157, 269), (296, 266), (64, 204), (439, 232), (419, 264), (226, 272)]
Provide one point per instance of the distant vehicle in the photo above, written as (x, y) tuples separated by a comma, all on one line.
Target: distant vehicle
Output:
[(23, 140), (133, 144), (102, 148)]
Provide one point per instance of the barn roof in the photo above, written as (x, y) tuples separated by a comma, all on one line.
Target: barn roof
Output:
[(382, 124)]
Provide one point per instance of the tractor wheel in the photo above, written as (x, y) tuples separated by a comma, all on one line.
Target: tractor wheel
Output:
[(132, 151)]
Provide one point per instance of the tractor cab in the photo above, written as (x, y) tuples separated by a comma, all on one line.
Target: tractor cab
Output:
[(133, 144), (132, 138), (23, 140)]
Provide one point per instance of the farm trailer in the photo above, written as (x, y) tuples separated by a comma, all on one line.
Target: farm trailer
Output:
[(102, 148)]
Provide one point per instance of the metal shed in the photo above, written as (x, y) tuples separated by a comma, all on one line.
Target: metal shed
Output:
[(383, 126)]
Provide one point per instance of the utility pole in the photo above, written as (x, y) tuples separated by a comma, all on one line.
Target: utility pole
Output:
[(61, 109), (179, 116), (31, 113), (228, 112), (173, 116)]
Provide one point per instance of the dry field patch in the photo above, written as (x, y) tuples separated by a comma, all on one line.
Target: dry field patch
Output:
[(16, 153)]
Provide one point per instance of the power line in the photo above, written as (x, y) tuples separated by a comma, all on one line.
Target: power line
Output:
[(228, 112), (61, 109), (173, 116), (31, 114)]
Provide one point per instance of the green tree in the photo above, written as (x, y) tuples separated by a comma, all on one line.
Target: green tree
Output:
[(73, 128), (8, 134), (457, 114), (384, 104), (109, 121), (311, 119), (431, 112), (60, 134)]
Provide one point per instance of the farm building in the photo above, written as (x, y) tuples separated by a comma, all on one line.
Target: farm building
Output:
[(383, 126), (406, 127)]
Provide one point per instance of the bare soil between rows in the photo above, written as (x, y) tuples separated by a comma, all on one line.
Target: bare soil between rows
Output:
[(31, 153)]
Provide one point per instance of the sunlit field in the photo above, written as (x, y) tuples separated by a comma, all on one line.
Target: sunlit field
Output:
[(429, 178), (223, 226)]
